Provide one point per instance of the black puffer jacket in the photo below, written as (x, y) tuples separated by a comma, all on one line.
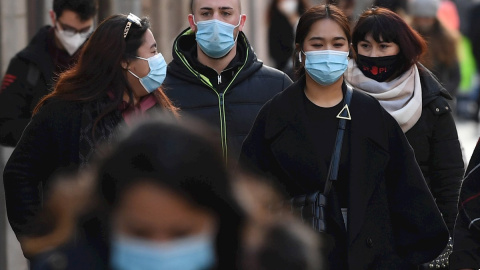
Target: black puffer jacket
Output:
[(437, 149), (229, 101)]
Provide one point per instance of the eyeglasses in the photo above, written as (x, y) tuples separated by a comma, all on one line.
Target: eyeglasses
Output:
[(131, 18), (70, 32)]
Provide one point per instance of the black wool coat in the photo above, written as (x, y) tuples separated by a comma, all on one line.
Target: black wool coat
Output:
[(393, 222)]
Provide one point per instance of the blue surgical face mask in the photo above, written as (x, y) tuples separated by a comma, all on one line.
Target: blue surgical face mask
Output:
[(215, 37), (326, 66), (157, 74), (192, 253)]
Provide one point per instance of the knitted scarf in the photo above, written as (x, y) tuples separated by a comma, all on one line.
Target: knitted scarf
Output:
[(401, 97)]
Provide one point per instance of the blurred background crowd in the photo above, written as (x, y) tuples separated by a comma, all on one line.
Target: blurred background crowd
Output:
[(449, 26)]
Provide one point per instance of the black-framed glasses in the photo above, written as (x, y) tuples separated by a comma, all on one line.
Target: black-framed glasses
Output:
[(131, 18), (70, 31)]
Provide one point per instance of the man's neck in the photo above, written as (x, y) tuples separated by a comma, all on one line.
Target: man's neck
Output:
[(217, 64)]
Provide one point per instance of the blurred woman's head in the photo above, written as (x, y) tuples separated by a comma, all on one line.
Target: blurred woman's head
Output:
[(322, 29), (385, 45), (167, 188)]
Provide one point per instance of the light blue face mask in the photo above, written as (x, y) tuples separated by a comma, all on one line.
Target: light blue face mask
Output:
[(192, 253), (157, 74), (326, 66), (215, 37)]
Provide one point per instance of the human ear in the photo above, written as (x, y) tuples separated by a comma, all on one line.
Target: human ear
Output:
[(191, 21)]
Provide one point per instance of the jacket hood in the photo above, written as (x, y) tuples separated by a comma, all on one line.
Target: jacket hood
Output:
[(37, 51), (431, 87), (184, 51)]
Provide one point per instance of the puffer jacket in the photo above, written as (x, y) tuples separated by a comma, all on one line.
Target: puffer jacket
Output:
[(229, 101)]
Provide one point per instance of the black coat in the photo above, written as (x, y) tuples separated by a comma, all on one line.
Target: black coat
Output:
[(434, 139), (49, 146), (29, 77), (393, 222), (230, 106), (466, 238)]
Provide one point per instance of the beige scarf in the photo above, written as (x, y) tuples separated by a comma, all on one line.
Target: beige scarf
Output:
[(401, 97)]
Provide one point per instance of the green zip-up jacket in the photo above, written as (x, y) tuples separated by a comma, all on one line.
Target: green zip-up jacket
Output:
[(229, 101)]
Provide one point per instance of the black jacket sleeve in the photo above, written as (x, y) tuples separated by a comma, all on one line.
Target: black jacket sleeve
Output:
[(446, 167), (15, 102), (31, 164)]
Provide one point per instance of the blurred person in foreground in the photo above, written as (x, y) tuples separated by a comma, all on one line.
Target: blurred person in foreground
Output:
[(162, 198), (370, 188), (32, 72), (117, 77), (386, 66), (216, 76), (441, 54)]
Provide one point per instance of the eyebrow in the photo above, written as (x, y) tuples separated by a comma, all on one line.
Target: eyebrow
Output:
[(64, 25), (154, 45), (221, 8), (322, 38)]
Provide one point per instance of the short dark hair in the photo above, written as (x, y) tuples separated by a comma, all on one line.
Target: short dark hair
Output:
[(385, 25), (313, 15), (86, 9)]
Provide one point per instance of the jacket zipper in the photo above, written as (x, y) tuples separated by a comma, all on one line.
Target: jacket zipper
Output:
[(221, 98)]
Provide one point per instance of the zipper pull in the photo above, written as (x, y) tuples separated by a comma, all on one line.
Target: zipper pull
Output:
[(221, 99), (219, 78)]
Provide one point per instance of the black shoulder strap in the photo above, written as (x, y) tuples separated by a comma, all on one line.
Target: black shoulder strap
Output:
[(344, 115)]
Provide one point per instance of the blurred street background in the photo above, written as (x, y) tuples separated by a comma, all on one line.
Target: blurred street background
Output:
[(21, 19)]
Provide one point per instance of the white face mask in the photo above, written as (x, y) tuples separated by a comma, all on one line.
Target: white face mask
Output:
[(70, 42), (289, 7)]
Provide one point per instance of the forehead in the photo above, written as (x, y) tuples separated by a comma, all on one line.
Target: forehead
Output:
[(326, 29), (216, 4), (71, 17)]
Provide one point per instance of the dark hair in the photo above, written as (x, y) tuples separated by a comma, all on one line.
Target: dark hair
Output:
[(393, 5), (385, 25), (99, 69), (310, 17), (86, 9), (180, 157)]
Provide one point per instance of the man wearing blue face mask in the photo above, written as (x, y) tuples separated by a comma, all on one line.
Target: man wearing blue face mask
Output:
[(31, 72), (216, 76)]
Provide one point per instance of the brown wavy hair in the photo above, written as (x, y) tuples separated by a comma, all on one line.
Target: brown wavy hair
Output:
[(99, 70)]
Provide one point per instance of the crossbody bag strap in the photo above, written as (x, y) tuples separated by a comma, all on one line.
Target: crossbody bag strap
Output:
[(344, 115)]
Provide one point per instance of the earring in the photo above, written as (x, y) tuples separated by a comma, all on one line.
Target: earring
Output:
[(299, 57)]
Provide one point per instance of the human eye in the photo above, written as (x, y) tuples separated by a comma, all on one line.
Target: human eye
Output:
[(338, 44), (364, 45)]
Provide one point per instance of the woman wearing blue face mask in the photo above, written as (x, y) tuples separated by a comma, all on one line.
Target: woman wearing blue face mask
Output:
[(117, 77), (162, 201), (343, 159)]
